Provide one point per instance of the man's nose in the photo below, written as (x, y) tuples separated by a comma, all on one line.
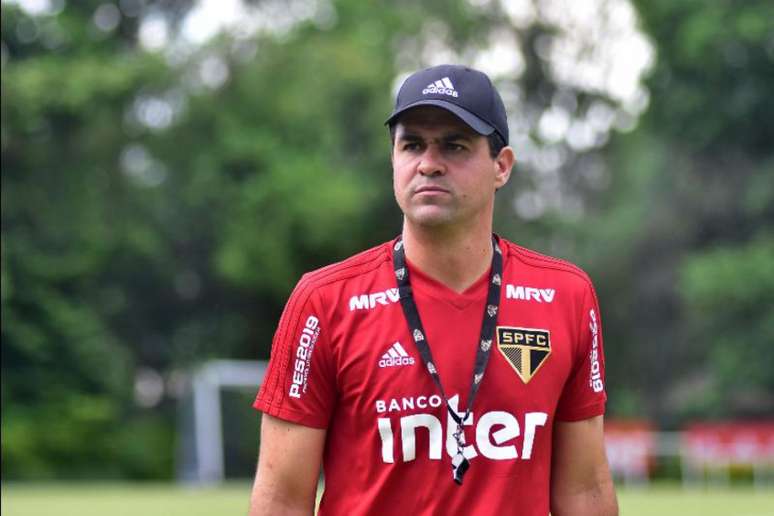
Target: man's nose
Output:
[(432, 162)]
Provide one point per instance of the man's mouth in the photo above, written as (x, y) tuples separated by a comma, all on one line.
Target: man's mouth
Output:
[(430, 190)]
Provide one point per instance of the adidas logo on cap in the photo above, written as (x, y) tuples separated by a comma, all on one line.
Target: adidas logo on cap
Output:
[(443, 86), (396, 356)]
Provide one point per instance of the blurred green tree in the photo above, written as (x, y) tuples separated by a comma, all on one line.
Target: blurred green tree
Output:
[(73, 237), (159, 199), (688, 272)]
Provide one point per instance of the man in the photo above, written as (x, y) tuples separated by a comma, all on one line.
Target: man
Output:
[(447, 350)]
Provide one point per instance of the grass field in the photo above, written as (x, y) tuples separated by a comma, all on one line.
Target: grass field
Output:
[(171, 500)]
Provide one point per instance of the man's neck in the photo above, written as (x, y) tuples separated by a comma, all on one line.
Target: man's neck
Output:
[(455, 258)]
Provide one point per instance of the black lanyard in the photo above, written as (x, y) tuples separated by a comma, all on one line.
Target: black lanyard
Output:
[(459, 463)]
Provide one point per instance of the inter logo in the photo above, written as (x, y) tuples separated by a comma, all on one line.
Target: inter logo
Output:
[(526, 349)]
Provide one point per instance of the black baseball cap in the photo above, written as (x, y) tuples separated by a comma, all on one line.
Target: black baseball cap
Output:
[(467, 93)]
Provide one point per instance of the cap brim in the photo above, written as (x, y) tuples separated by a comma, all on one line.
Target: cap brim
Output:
[(475, 123)]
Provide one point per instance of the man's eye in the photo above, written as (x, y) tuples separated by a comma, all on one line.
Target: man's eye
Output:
[(454, 147), (410, 146)]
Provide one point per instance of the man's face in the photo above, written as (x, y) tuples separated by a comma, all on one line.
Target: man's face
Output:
[(443, 173)]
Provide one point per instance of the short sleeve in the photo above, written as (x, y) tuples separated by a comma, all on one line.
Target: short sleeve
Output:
[(584, 394), (299, 385)]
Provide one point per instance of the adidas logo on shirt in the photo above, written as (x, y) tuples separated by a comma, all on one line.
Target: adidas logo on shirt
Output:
[(396, 356), (443, 86)]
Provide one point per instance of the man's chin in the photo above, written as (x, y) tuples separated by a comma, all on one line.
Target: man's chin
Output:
[(431, 218)]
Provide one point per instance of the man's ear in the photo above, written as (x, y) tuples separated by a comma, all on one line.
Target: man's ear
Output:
[(503, 164)]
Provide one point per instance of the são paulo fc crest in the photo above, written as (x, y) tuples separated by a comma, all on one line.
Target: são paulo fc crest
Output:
[(526, 349)]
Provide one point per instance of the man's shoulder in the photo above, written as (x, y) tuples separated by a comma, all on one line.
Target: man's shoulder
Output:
[(546, 265), (364, 263)]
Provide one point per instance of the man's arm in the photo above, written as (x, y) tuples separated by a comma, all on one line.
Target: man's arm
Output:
[(581, 484), (288, 469)]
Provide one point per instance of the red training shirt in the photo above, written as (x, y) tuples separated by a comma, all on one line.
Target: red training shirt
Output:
[(343, 359)]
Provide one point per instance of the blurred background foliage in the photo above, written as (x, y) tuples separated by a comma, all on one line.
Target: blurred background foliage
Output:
[(162, 194)]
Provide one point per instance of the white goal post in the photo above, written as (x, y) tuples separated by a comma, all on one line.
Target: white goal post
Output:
[(201, 426)]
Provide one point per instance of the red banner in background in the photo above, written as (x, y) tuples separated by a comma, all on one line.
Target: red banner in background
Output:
[(729, 443), (630, 446)]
